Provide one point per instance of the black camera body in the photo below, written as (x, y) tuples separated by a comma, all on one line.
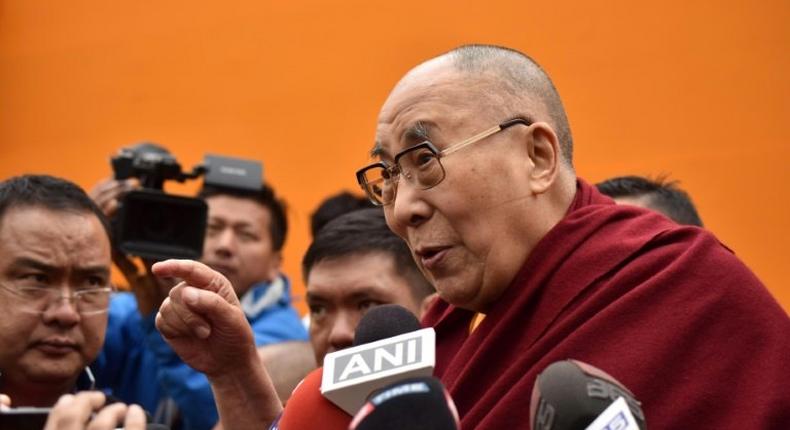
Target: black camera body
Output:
[(25, 418), (157, 226)]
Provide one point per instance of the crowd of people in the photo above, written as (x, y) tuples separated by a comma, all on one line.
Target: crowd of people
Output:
[(473, 218)]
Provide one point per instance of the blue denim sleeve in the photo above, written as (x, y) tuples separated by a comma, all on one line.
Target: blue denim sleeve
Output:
[(189, 388), (125, 368), (277, 324)]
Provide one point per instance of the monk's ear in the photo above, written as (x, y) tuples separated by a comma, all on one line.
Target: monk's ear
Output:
[(543, 150)]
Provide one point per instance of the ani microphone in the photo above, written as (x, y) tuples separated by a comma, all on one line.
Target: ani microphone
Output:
[(350, 375), (307, 408)]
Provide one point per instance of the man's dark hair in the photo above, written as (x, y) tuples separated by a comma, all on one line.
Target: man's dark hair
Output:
[(361, 232), (278, 227), (659, 195), (334, 206), (48, 192)]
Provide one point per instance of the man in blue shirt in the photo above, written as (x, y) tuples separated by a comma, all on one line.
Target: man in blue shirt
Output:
[(244, 238)]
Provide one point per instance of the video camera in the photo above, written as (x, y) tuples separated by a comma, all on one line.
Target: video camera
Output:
[(155, 225)]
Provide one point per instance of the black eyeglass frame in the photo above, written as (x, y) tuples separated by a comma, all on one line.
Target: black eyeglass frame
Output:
[(395, 169)]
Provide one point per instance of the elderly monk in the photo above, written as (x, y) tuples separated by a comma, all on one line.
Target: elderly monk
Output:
[(532, 265)]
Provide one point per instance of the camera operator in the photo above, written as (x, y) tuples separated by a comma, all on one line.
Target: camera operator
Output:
[(244, 235)]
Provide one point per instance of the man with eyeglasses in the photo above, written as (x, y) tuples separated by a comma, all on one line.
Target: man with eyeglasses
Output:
[(54, 288), (532, 265)]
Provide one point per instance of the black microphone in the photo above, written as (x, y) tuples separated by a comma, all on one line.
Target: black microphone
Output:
[(384, 321), (308, 408), (388, 346), (571, 395), (411, 404)]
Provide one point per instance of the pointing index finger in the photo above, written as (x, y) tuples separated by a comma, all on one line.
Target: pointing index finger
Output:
[(197, 275), (193, 273)]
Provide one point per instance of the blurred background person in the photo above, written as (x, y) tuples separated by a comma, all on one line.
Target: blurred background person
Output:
[(354, 263), (244, 237), (334, 206), (660, 195)]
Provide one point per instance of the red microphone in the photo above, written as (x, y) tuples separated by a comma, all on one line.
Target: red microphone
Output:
[(308, 409)]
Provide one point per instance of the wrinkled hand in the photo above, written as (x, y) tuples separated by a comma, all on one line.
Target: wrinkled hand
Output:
[(75, 412), (149, 290), (202, 319)]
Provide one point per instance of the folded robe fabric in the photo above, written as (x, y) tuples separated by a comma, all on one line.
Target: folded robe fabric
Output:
[(666, 309)]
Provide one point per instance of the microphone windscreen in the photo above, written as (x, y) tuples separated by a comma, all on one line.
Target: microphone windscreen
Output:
[(307, 409), (570, 395), (385, 321), (411, 404)]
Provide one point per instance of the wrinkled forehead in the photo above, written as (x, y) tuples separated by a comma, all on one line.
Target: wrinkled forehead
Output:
[(426, 103), (57, 237)]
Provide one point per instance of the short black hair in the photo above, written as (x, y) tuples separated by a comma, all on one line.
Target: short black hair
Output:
[(662, 195), (334, 206), (266, 196), (365, 231), (48, 192)]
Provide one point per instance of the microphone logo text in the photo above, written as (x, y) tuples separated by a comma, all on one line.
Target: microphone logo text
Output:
[(379, 359)]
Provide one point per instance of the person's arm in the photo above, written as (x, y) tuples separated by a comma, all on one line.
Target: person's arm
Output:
[(204, 324), (275, 329), (246, 397), (188, 388)]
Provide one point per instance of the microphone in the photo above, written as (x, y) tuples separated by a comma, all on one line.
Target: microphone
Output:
[(411, 404), (307, 408), (403, 351), (384, 321), (570, 395)]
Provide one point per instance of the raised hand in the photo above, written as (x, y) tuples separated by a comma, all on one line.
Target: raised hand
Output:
[(202, 320), (204, 324)]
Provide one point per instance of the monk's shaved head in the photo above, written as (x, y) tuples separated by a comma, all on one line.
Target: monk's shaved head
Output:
[(516, 83)]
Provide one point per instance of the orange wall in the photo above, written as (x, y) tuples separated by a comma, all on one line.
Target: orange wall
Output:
[(698, 90)]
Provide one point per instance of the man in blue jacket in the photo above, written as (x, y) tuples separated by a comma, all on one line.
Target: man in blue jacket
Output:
[(244, 238)]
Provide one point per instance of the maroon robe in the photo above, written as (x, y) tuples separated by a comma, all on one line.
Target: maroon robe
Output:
[(666, 309)]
